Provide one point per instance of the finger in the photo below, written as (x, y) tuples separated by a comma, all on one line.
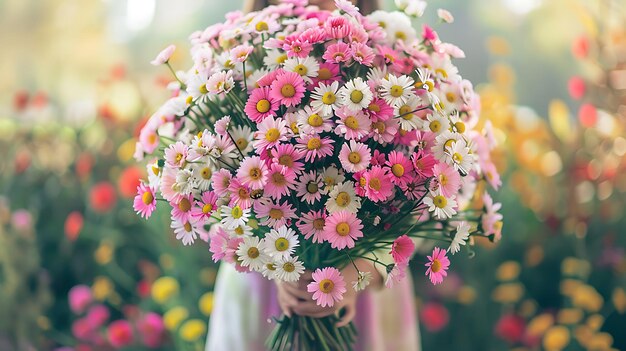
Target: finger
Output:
[(298, 293), (311, 309), (348, 316)]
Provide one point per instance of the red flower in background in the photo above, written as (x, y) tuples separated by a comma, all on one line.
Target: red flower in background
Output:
[(22, 161), (97, 316), (129, 180), (84, 163), (20, 100), (73, 225), (434, 316), (151, 328), (580, 47), (576, 87), (510, 328), (102, 197), (143, 288), (588, 115), (120, 333)]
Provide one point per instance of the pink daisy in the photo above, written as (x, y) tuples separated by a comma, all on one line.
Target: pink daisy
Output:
[(327, 74), (378, 185), (270, 133), (272, 214), (288, 88), (205, 207), (362, 54), (269, 78), (314, 35), (338, 52), (352, 125), (315, 147), (176, 154), (423, 163), (342, 229), (253, 172), (296, 47), (360, 183), (149, 139), (338, 27), (402, 249), (230, 254), (241, 52), (289, 157), (437, 266), (220, 181), (311, 224), (145, 201), (218, 243), (181, 209), (397, 273), (447, 179), (354, 157), (347, 7), (379, 109), (309, 186), (384, 131), (327, 286), (400, 168), (221, 126), (379, 158), (239, 194), (168, 187), (260, 105), (413, 189), (280, 181), (389, 55)]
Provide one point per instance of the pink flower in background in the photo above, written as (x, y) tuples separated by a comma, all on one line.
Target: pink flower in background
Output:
[(176, 154), (79, 298), (239, 194), (151, 329), (588, 115), (402, 249), (280, 181), (327, 286), (437, 265), (434, 316), (206, 206), (145, 201), (447, 179), (221, 126), (347, 7), (181, 209), (510, 328), (73, 225), (327, 74), (221, 181), (97, 316), (82, 329), (296, 47), (576, 87), (120, 333), (342, 229), (423, 164), (270, 132), (397, 273), (315, 147), (21, 219), (445, 16), (289, 157), (164, 55), (218, 243), (288, 88), (240, 53)]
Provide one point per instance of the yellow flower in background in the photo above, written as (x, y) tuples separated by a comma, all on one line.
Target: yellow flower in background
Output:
[(498, 46), (164, 288), (575, 267), (586, 297), (569, 286), (619, 300), (174, 316), (569, 316), (102, 288), (534, 256), (508, 293), (583, 335), (205, 304), (600, 341), (556, 338), (192, 330), (104, 252), (538, 325), (126, 150), (508, 270), (208, 275), (595, 321), (467, 295), (528, 308)]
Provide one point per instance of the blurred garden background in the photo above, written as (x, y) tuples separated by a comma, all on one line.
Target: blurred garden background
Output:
[(80, 271)]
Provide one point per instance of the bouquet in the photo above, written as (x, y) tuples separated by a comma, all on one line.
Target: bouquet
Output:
[(303, 139)]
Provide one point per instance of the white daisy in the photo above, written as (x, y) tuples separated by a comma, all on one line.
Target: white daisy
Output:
[(325, 98), (459, 157), (363, 280), (289, 269), (232, 217), (443, 142), (202, 173), (441, 206), (436, 123), (154, 174), (306, 67), (269, 270), (185, 182), (250, 253), (186, 231), (280, 243), (331, 176), (253, 78), (308, 187), (424, 82), (274, 59), (343, 197), (376, 75), (197, 86), (461, 236), (243, 136), (310, 121), (356, 94), (243, 230), (397, 90), (409, 120)]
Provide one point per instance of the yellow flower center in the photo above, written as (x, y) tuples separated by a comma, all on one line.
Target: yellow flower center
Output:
[(375, 184), (263, 105), (380, 127), (207, 208), (243, 193), (242, 143), (354, 157), (343, 228), (362, 181), (451, 97), (327, 286), (397, 170), (396, 91), (435, 126), (442, 72), (187, 227), (288, 90), (435, 266), (390, 58), (179, 157), (147, 198), (314, 144), (440, 201), (270, 267), (289, 267), (184, 205), (443, 180), (294, 128), (281, 244), (301, 69), (324, 74), (285, 160), (278, 178), (319, 223), (460, 127), (373, 107), (449, 143), (343, 199), (352, 123), (206, 173), (457, 158), (261, 26), (281, 59), (315, 120), (272, 135), (312, 187), (406, 112), (188, 100), (239, 230), (156, 170), (276, 213), (203, 89), (356, 96), (255, 173), (253, 252), (329, 98), (236, 212), (401, 35)]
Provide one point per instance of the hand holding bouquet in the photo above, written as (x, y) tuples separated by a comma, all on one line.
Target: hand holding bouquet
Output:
[(307, 139)]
